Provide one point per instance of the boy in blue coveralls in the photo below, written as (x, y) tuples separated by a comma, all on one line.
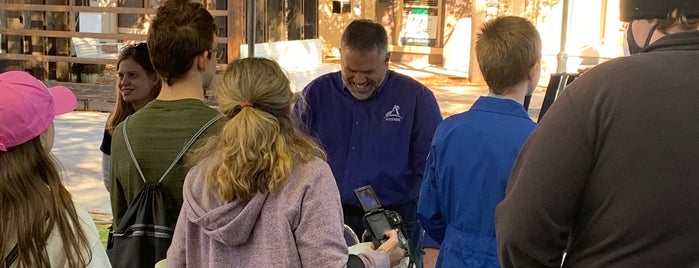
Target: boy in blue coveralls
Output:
[(472, 153)]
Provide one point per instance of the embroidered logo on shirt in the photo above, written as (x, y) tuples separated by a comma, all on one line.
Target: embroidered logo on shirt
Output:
[(393, 114)]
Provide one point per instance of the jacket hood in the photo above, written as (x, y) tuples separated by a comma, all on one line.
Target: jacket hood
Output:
[(230, 223)]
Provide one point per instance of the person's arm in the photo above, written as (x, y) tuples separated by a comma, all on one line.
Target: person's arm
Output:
[(99, 256), (427, 117), (535, 218), (389, 247), (430, 250), (116, 192), (429, 210), (319, 233), (429, 258), (118, 201), (392, 248), (176, 253), (106, 163), (106, 149)]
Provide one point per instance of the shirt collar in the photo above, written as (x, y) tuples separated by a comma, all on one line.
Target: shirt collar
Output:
[(493, 95), (500, 104)]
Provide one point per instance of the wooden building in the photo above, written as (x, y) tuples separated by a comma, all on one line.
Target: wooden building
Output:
[(38, 35)]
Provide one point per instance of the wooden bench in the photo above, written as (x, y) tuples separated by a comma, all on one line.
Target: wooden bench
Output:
[(91, 97), (92, 48), (302, 59)]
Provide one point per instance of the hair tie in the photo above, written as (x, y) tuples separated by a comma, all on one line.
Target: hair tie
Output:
[(246, 104)]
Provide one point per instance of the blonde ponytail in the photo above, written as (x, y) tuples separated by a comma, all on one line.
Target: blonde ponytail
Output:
[(258, 147)]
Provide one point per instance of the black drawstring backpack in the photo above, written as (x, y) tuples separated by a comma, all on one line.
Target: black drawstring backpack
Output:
[(144, 233)]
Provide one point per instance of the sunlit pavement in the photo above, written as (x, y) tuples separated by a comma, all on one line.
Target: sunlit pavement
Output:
[(78, 138)]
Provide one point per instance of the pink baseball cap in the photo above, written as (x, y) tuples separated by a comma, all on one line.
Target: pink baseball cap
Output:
[(27, 107)]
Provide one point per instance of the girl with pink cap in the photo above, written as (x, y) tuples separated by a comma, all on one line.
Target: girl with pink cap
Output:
[(40, 225)]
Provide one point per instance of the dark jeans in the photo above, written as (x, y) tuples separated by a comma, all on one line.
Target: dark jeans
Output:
[(408, 211)]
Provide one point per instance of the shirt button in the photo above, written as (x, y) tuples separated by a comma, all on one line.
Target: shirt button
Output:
[(354, 148), (356, 122)]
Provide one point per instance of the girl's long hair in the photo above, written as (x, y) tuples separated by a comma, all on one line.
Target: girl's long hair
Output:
[(34, 202), (122, 109), (258, 146)]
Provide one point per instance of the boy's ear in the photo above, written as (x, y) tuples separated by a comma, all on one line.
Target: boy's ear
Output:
[(202, 61), (533, 70)]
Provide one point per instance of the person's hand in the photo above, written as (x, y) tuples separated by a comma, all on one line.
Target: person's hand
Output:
[(395, 253)]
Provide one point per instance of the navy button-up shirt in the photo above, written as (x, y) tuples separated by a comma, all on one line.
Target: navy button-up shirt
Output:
[(382, 141)]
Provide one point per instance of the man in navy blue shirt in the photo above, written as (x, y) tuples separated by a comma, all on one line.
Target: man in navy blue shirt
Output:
[(376, 126)]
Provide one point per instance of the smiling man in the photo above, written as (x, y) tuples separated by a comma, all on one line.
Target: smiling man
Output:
[(375, 124)]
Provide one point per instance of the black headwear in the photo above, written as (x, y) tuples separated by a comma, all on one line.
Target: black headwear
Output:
[(656, 9)]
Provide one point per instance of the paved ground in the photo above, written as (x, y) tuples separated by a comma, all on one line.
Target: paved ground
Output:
[(79, 135), (78, 138)]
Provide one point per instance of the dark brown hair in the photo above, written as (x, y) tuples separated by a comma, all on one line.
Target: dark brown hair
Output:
[(180, 31)]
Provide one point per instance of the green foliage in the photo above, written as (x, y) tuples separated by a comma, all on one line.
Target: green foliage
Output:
[(103, 230)]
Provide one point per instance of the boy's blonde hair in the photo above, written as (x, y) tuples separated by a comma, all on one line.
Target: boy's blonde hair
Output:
[(507, 48)]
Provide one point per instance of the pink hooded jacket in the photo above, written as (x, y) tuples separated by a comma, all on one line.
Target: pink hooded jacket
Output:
[(301, 226)]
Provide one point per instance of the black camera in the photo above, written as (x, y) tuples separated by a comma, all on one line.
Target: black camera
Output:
[(378, 220)]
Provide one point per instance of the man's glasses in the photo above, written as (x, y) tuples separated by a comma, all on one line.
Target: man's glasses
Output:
[(218, 51)]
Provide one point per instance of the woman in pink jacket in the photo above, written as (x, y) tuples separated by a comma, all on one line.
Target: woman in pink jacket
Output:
[(261, 193)]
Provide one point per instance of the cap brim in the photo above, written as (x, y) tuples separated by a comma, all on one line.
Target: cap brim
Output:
[(64, 100)]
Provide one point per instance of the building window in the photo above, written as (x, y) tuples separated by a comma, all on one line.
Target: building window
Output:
[(420, 25), (341, 6)]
